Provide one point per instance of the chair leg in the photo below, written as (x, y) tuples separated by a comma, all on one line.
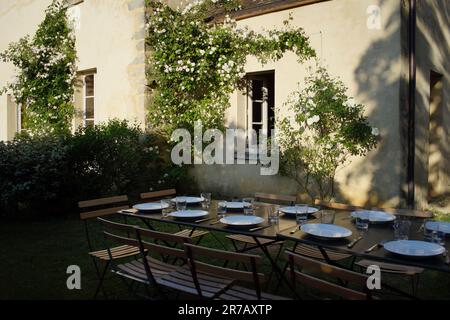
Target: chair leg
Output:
[(282, 275), (276, 259), (100, 283)]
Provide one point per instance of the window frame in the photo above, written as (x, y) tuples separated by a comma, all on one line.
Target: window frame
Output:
[(85, 97)]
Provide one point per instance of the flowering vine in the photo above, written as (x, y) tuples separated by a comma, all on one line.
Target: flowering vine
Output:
[(195, 64), (46, 73), (327, 128)]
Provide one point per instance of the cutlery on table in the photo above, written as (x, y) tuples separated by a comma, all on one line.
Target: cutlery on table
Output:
[(129, 211), (215, 222), (375, 246), (354, 241), (259, 228), (203, 220), (294, 230)]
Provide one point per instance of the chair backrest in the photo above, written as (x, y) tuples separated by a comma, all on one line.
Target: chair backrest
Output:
[(128, 232), (155, 195), (102, 207), (298, 263), (194, 252), (398, 212), (275, 197)]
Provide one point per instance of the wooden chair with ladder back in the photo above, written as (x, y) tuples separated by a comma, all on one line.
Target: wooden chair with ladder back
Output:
[(162, 194), (318, 278), (206, 280), (92, 209), (148, 270), (388, 268)]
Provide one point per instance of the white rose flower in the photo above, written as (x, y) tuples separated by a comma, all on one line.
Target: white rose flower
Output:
[(375, 132)]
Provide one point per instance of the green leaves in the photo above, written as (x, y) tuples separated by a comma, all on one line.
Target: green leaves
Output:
[(328, 128), (197, 64), (46, 74)]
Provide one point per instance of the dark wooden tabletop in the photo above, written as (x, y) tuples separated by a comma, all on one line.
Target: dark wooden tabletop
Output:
[(375, 234), (268, 233)]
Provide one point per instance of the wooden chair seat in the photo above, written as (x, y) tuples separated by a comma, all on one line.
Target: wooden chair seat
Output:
[(195, 234), (241, 293), (116, 252), (248, 239), (314, 252), (181, 280), (392, 268), (136, 269)]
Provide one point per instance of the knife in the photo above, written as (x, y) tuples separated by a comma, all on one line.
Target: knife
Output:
[(354, 241), (259, 228), (202, 220), (375, 246), (215, 222)]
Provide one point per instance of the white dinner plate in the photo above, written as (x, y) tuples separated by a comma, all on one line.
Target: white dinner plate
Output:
[(241, 221), (374, 216), (326, 231), (189, 200), (237, 204), (151, 206), (414, 248), (438, 225), (189, 214), (292, 210)]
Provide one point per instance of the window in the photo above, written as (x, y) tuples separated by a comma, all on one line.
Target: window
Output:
[(261, 102), (89, 100)]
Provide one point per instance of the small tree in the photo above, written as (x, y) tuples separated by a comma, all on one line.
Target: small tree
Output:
[(326, 129), (46, 73)]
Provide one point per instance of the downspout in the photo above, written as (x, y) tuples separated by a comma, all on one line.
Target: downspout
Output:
[(411, 101)]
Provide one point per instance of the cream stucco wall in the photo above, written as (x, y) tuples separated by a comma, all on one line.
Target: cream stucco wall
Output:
[(368, 61), (110, 37)]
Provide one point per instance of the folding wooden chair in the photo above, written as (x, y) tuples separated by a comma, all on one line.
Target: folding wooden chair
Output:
[(318, 279), (206, 280), (388, 268), (147, 270), (158, 195), (102, 207)]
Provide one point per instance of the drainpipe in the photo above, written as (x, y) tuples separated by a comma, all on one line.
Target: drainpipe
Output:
[(411, 101)]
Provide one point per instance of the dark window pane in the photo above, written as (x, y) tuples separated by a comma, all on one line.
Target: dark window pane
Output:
[(89, 108), (257, 111), (89, 123), (257, 93), (89, 83)]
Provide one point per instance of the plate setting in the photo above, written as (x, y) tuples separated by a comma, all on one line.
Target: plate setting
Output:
[(326, 231), (149, 207), (414, 248), (292, 210), (438, 226), (188, 199), (188, 214), (373, 216), (241, 221)]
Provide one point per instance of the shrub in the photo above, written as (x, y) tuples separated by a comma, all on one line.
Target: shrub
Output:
[(51, 173)]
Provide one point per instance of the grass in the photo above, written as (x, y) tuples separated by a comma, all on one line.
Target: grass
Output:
[(34, 257)]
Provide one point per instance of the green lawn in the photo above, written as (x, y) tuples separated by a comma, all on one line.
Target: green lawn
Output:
[(34, 257)]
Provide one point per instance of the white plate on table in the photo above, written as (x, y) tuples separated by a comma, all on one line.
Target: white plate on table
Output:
[(189, 214), (189, 200), (151, 206), (237, 204), (241, 221), (374, 216), (326, 231), (435, 225), (292, 210), (414, 248)]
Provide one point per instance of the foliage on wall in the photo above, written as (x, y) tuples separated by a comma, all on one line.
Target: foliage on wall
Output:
[(327, 128), (195, 64), (46, 73)]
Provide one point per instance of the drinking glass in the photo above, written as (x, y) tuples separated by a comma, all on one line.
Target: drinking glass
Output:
[(301, 214), (221, 209), (437, 236), (362, 221), (206, 200), (166, 206), (273, 214), (181, 204), (248, 206), (401, 229), (327, 216)]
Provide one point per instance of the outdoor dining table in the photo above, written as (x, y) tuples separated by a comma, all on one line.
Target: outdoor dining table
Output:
[(376, 234), (269, 231)]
